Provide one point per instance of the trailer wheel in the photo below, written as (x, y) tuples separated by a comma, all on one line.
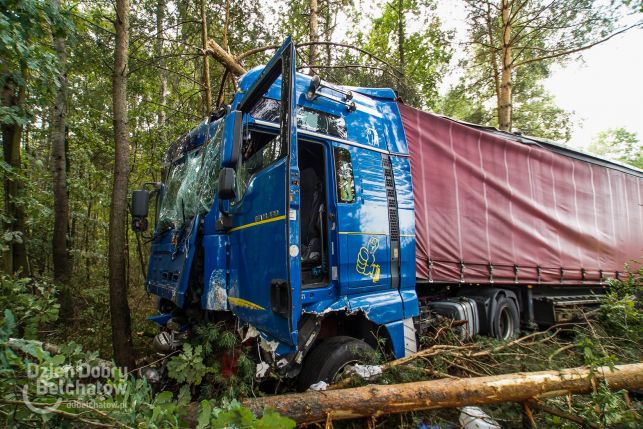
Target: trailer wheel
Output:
[(506, 320), (329, 358)]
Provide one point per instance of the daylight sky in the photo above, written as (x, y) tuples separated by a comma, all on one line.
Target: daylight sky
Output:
[(604, 89)]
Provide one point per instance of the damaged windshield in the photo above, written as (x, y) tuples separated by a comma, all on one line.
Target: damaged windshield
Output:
[(191, 184)]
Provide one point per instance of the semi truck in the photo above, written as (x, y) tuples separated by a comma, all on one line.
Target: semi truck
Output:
[(324, 221)]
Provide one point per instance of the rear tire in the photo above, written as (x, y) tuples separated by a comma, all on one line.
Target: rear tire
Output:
[(329, 358), (506, 319)]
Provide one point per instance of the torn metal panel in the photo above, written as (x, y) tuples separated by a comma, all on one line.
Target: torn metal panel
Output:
[(217, 295)]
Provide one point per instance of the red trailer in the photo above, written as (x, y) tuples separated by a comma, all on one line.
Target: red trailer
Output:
[(498, 208)]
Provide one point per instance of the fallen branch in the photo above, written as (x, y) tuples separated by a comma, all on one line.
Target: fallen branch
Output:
[(232, 63), (556, 412), (225, 58), (377, 400)]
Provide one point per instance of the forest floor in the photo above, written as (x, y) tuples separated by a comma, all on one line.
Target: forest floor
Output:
[(90, 324), (215, 369)]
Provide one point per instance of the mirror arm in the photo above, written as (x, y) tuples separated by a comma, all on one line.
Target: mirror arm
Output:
[(224, 222)]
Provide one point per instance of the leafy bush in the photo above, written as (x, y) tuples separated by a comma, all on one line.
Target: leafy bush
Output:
[(621, 308), (32, 302), (218, 360), (188, 366), (126, 401)]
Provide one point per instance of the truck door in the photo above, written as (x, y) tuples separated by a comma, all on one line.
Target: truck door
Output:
[(264, 237)]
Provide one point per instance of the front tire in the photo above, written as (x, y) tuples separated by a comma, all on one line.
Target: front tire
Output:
[(329, 358), (506, 319)]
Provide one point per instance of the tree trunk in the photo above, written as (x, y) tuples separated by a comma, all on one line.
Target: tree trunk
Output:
[(226, 26), (13, 96), (119, 307), (493, 53), (207, 93), (313, 35), (62, 271), (328, 31), (160, 21), (401, 30), (377, 400), (88, 223), (504, 103)]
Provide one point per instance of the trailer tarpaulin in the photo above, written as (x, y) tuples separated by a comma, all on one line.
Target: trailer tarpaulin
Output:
[(490, 208)]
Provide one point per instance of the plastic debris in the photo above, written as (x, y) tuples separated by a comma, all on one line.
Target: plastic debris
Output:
[(364, 371), (475, 418), (320, 385), (262, 368)]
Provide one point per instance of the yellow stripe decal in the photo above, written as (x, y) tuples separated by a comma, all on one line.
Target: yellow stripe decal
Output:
[(362, 233), (248, 225), (407, 235), (239, 302)]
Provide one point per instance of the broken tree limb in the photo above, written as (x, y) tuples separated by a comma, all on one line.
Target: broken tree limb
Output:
[(377, 400), (232, 62), (225, 58)]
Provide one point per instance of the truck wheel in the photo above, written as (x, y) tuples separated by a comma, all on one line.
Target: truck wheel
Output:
[(329, 359), (506, 320)]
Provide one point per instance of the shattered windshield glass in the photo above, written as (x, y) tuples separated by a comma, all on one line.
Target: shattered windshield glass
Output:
[(191, 184)]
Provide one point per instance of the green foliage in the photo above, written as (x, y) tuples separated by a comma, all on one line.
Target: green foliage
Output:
[(621, 310), (234, 416), (24, 365), (421, 53), (188, 366), (231, 372), (618, 144), (540, 34), (610, 409), (27, 56), (31, 301), (472, 99)]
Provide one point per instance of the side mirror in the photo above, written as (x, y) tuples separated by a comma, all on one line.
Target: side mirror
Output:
[(140, 207), (234, 133), (227, 179)]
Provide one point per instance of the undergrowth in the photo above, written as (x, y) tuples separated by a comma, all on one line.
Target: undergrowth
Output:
[(610, 336), (214, 371)]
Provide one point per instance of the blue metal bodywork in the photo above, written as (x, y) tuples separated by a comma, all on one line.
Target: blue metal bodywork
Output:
[(239, 263)]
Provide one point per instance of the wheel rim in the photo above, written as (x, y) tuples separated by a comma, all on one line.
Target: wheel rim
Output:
[(505, 324), (342, 370)]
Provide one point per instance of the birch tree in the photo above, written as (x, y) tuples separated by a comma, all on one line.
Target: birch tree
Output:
[(509, 35)]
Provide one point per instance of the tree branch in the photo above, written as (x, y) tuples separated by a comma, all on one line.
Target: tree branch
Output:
[(354, 66), (225, 58), (556, 412), (579, 49), (326, 43)]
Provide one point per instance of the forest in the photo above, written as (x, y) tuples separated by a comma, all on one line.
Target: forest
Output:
[(95, 92)]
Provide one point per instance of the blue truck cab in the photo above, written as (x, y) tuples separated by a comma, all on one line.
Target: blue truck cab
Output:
[(292, 209)]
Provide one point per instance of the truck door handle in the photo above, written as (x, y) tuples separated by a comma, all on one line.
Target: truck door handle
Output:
[(280, 297)]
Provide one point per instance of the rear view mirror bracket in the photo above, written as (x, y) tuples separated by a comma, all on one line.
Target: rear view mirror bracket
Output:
[(234, 131), (140, 206), (227, 192)]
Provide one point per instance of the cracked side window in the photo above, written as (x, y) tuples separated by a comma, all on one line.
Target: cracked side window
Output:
[(257, 153)]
